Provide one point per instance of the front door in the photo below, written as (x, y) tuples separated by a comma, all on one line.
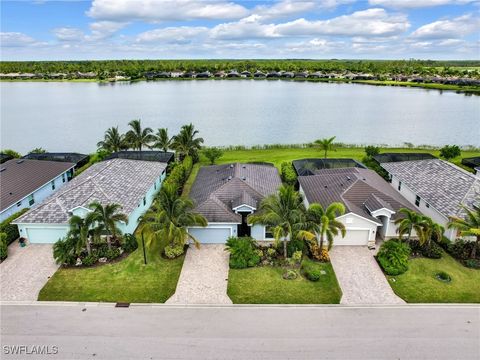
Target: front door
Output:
[(243, 228)]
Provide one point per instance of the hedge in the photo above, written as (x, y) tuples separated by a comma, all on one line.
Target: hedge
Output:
[(289, 176), (180, 173), (10, 229)]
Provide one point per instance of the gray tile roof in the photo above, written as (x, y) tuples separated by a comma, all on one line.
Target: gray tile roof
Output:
[(441, 184), (217, 189), (358, 189), (119, 181), (21, 177)]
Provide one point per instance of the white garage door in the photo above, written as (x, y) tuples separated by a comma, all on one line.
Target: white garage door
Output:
[(211, 235), (45, 235), (353, 237)]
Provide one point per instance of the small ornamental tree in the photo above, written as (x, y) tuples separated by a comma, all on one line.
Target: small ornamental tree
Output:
[(371, 151), (450, 151), (213, 154)]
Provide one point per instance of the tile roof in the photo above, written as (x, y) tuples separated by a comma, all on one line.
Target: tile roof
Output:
[(21, 177), (356, 188), (219, 188), (440, 183), (119, 181)]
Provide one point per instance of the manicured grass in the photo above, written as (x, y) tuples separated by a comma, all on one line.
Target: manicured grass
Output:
[(126, 281), (191, 179), (265, 285), (419, 285)]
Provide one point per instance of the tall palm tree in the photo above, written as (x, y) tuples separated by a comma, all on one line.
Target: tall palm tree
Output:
[(408, 222), (323, 223), (170, 216), (284, 211), (106, 217), (186, 142), (469, 226), (138, 137), (326, 144), (162, 140), (113, 141), (429, 228), (80, 232)]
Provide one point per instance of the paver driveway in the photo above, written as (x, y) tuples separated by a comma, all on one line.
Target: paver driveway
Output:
[(25, 271), (204, 276), (361, 279)]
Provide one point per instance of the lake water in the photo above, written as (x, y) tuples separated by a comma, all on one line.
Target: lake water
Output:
[(68, 116)]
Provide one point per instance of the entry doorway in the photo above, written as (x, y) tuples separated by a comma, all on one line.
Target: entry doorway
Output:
[(243, 228)]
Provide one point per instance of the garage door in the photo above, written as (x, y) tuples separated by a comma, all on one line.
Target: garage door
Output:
[(45, 235), (353, 237), (211, 235)]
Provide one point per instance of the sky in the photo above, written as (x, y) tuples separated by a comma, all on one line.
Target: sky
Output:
[(237, 29)]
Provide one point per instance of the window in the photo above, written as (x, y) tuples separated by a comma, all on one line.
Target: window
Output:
[(19, 203), (31, 200), (269, 232), (53, 185), (63, 177), (427, 205), (144, 201), (399, 185), (417, 200), (155, 185)]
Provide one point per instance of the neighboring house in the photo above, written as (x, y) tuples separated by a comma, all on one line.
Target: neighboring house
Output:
[(26, 183), (370, 202), (436, 187), (78, 159), (227, 194), (129, 183), (304, 167)]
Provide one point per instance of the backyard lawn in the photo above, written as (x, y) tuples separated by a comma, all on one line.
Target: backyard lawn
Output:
[(265, 285), (126, 281), (419, 285)]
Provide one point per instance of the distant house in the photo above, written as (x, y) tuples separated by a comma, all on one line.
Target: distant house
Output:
[(246, 73), (259, 74), (26, 183), (273, 74), (437, 188), (78, 159), (233, 74), (130, 183), (301, 74), (188, 74), (219, 74), (305, 167), (227, 194), (146, 155), (204, 75), (370, 202), (288, 74)]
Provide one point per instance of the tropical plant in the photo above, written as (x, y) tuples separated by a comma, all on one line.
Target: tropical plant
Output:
[(212, 154), (137, 137), (3, 246), (324, 224), (186, 142), (468, 226), (162, 140), (393, 257), (38, 150), (106, 218), (409, 222), (450, 151), (325, 145), (113, 141), (64, 251), (284, 212), (80, 233), (243, 252), (170, 216), (371, 150), (429, 229), (11, 153), (289, 176)]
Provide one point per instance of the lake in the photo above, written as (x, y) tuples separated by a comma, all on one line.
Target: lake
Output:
[(72, 116)]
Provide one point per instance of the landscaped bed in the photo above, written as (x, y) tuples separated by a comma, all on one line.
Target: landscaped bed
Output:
[(265, 285)]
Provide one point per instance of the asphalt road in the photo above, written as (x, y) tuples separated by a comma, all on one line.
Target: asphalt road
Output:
[(94, 331)]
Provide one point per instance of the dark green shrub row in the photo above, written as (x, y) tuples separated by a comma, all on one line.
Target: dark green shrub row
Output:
[(3, 247), (289, 176), (311, 272), (462, 249), (180, 173), (393, 257), (10, 229), (243, 252), (431, 250)]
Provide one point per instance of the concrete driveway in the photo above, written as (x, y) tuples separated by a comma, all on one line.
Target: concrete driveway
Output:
[(204, 276), (25, 271), (361, 279)]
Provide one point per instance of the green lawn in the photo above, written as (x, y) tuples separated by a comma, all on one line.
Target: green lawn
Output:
[(265, 285), (126, 281), (419, 285)]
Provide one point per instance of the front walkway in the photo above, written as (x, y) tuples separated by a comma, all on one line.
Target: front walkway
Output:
[(204, 276), (25, 271), (360, 278)]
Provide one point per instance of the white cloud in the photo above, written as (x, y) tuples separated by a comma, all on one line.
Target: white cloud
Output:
[(164, 10), (15, 39), (180, 35), (68, 34), (284, 8), (410, 4), (105, 29), (249, 27), (453, 28)]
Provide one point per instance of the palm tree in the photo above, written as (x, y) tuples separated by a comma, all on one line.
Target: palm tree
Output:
[(79, 233), (186, 142), (284, 211), (162, 141), (409, 222), (326, 144), (138, 137), (323, 222), (170, 216), (106, 217), (429, 228), (113, 141), (469, 226)]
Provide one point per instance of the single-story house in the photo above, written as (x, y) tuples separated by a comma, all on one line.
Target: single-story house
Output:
[(370, 202), (26, 183), (129, 183), (304, 167), (436, 187), (227, 194)]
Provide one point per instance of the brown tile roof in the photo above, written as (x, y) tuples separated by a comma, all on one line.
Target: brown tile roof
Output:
[(20, 177), (217, 189)]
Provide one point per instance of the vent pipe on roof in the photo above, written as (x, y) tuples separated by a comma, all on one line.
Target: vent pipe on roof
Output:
[(20, 161), (229, 178)]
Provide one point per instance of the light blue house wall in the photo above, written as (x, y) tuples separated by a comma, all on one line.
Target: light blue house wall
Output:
[(38, 195)]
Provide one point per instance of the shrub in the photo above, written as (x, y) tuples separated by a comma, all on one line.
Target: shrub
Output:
[(297, 257), (9, 229), (89, 260), (393, 257), (3, 246), (129, 243), (173, 252), (429, 250), (288, 174), (317, 253), (180, 173), (443, 276), (371, 150), (271, 253), (311, 272), (450, 151), (112, 253), (295, 245), (212, 154), (462, 249), (243, 252), (472, 263), (290, 275), (101, 250), (64, 251)]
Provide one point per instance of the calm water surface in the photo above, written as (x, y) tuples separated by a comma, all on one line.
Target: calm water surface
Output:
[(73, 116)]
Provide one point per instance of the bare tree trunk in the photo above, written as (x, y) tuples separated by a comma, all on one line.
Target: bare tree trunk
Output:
[(285, 248), (321, 242), (89, 249)]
